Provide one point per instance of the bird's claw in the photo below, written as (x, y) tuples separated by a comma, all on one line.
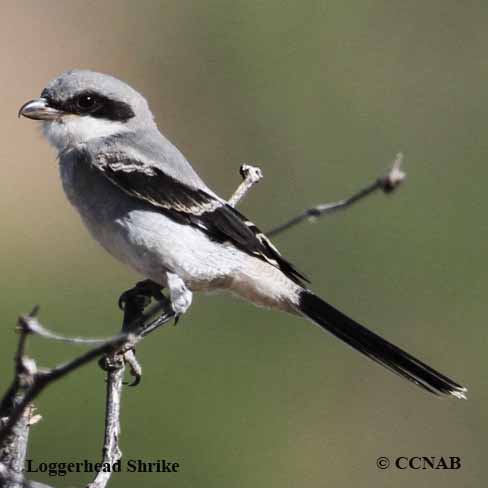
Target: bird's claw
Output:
[(135, 368)]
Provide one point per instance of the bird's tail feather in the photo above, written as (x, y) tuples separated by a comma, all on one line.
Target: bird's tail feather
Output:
[(377, 348)]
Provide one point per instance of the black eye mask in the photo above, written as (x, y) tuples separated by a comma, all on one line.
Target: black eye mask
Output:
[(93, 104)]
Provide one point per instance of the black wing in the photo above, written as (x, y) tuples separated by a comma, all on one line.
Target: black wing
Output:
[(193, 206)]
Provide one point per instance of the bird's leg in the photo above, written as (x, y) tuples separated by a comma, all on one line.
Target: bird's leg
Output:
[(180, 296), (134, 302), (136, 320)]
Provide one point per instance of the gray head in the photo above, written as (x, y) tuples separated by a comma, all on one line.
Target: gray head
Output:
[(80, 105)]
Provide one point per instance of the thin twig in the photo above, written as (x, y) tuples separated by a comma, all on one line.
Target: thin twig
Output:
[(35, 327), (387, 184), (250, 175)]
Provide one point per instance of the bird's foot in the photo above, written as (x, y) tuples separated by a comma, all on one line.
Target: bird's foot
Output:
[(134, 303), (140, 296)]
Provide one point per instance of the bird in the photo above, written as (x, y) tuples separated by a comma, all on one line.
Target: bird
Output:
[(141, 199)]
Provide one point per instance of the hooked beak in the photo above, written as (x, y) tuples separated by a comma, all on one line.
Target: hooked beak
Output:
[(39, 109)]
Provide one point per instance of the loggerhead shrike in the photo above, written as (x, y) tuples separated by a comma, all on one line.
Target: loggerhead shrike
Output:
[(145, 204)]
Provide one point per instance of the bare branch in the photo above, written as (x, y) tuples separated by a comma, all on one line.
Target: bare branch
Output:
[(11, 479), (135, 320), (37, 380), (250, 175), (14, 448), (29, 382), (111, 450), (32, 326), (387, 184)]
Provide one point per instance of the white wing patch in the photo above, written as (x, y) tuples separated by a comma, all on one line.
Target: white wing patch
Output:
[(118, 161)]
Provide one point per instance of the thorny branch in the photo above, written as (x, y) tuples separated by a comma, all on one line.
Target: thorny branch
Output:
[(16, 411)]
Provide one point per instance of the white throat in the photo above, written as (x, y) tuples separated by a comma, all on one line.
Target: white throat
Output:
[(74, 129)]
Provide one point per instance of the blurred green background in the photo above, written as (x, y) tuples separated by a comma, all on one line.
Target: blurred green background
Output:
[(321, 95)]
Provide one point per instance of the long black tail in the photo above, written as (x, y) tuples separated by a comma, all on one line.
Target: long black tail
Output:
[(377, 348)]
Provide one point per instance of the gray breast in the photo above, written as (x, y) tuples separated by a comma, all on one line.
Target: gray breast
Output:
[(89, 191), (127, 228), (103, 207)]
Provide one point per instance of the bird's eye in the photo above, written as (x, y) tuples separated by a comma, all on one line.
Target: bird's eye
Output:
[(86, 102)]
